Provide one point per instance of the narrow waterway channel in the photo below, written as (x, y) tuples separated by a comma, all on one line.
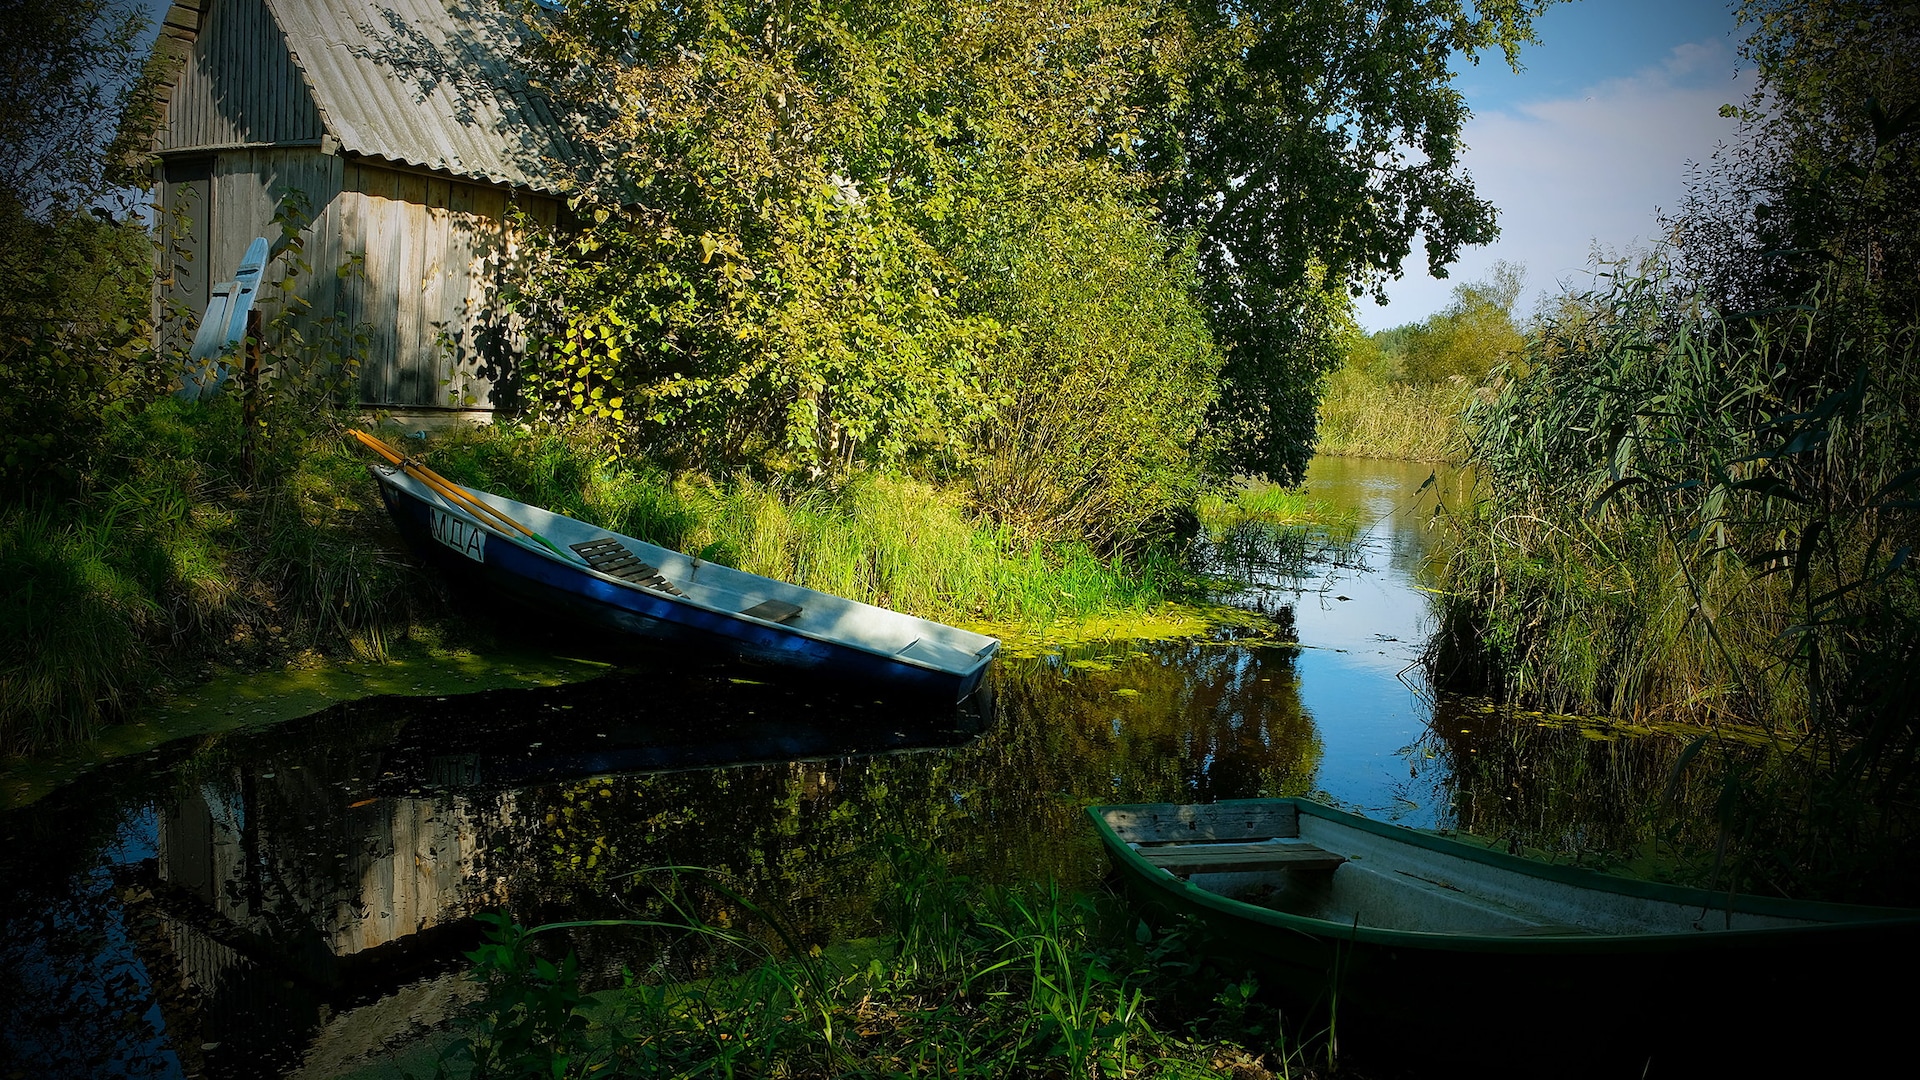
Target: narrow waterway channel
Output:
[(293, 899)]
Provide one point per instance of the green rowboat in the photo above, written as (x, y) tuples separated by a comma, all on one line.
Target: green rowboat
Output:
[(1375, 923)]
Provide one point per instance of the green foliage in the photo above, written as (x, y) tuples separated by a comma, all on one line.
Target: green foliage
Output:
[(66, 71), (71, 626), (75, 309), (1401, 393), (971, 980), (1097, 402), (534, 1023), (1363, 415), (1703, 475), (170, 556), (1280, 343), (1473, 336), (1305, 144), (1275, 506), (773, 296), (75, 346), (880, 233)]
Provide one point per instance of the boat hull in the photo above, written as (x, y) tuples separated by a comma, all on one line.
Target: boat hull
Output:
[(1675, 996), (532, 577)]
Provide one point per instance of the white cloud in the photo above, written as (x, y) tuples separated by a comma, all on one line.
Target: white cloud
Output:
[(1569, 173)]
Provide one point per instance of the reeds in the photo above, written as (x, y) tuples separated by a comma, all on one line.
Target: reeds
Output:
[(1705, 517), (1365, 416)]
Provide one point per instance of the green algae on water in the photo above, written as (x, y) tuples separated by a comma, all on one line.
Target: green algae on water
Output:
[(235, 701)]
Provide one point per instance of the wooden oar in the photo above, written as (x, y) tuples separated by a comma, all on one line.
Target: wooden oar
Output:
[(455, 493)]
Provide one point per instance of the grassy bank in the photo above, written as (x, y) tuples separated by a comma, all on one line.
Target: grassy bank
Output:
[(172, 556), (880, 538), (1362, 415), (175, 559), (966, 980)]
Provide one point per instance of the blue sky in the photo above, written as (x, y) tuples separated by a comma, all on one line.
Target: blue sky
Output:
[(1584, 145)]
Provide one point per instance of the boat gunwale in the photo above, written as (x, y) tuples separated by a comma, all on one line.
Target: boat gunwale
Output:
[(981, 658), (1841, 919)]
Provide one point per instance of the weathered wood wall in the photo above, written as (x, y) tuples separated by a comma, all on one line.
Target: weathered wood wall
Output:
[(426, 256)]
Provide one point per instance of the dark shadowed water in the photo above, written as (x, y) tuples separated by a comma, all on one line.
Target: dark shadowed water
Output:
[(293, 899)]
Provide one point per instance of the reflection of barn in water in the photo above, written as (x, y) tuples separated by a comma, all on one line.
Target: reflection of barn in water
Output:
[(287, 897), (318, 890)]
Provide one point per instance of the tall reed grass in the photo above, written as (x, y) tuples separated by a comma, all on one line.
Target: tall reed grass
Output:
[(881, 538), (72, 626), (1710, 517), (169, 559), (1578, 616), (1365, 416)]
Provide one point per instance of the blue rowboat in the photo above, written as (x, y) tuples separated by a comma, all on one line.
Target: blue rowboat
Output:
[(633, 587)]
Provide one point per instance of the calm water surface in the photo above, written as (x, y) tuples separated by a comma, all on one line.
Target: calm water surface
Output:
[(294, 899)]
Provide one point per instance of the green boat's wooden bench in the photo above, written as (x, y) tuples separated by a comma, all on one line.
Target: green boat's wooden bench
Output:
[(1219, 839), (1182, 860)]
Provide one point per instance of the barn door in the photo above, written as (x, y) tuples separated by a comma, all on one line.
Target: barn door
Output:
[(186, 230)]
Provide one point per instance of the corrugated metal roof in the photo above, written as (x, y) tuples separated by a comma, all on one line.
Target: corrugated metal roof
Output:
[(432, 83)]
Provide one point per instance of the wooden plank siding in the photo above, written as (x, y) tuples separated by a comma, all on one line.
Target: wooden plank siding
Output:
[(239, 85)]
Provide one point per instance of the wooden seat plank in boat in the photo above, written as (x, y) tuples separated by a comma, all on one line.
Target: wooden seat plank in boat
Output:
[(1230, 858)]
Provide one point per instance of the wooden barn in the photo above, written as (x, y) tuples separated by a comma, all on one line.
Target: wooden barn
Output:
[(412, 132)]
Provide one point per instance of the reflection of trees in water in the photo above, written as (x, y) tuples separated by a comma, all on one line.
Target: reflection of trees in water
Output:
[(292, 872), (1183, 722), (1549, 788), (1583, 789), (1725, 807)]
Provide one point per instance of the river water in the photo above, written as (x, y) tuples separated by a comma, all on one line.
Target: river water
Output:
[(294, 899)]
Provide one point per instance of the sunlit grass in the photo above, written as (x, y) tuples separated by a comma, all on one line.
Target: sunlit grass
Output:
[(1275, 506), (882, 539), (1361, 416), (968, 980), (169, 560)]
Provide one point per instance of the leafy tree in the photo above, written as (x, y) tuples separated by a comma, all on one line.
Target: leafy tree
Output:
[(67, 69), (1473, 335), (829, 211), (1097, 402), (1306, 144), (75, 303), (837, 247)]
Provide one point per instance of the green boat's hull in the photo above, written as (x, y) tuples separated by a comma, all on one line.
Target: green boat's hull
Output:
[(1836, 981)]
